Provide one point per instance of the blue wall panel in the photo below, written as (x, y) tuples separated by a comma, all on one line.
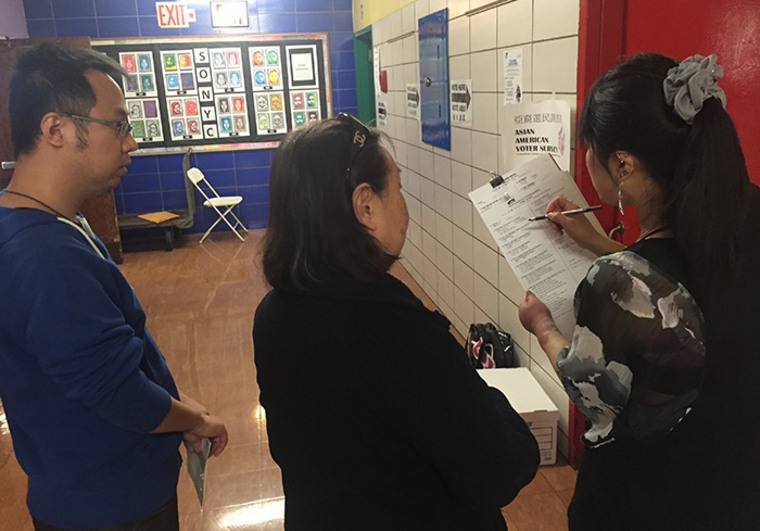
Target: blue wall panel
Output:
[(155, 182)]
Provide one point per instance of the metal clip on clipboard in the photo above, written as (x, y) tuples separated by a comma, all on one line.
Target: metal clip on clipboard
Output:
[(496, 179)]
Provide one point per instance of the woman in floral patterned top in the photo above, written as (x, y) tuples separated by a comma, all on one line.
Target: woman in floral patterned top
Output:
[(649, 372)]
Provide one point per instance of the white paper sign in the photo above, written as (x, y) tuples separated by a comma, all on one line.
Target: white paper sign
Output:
[(301, 67), (548, 264), (382, 114), (461, 102), (513, 79), (376, 68), (412, 101), (535, 129)]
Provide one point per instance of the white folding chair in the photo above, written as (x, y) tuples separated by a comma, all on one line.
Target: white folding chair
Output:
[(217, 202)]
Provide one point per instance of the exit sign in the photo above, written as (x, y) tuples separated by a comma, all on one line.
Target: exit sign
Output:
[(174, 15)]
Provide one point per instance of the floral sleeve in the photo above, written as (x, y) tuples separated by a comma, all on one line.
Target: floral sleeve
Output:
[(637, 355)]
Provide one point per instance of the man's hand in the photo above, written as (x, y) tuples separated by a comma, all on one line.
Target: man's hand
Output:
[(213, 429)]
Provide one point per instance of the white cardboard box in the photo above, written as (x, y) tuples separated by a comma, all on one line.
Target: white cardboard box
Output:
[(532, 403)]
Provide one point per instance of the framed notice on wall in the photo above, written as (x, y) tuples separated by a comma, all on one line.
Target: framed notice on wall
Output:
[(218, 93)]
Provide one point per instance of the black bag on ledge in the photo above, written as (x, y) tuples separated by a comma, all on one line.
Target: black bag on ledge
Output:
[(489, 347)]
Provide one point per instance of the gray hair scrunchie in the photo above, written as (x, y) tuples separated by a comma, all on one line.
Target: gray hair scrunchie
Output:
[(689, 84)]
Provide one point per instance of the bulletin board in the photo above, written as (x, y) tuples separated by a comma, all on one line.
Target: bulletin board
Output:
[(221, 92)]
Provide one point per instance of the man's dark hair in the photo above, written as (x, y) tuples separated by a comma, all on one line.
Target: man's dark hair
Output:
[(313, 232), (50, 78)]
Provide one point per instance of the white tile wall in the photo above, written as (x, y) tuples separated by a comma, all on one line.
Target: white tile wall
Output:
[(421, 9), (555, 65), (410, 51), (486, 298), (428, 191), (484, 112), (463, 277), (462, 212), (484, 149), (459, 67), (461, 173), (555, 18), (396, 23), (463, 246), (397, 52), (485, 261), (428, 219), (408, 19), (515, 23), (445, 263), (444, 231), (426, 163), (458, 7), (482, 31), (484, 71), (437, 5), (449, 250), (479, 3), (461, 146), (443, 201), (442, 171), (463, 305), (459, 36)]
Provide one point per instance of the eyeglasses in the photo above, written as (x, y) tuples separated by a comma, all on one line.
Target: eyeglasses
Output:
[(123, 127), (358, 138)]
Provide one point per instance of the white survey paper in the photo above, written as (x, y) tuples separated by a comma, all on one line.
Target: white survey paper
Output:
[(548, 264)]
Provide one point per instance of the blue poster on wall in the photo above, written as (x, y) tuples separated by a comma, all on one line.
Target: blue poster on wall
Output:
[(434, 79)]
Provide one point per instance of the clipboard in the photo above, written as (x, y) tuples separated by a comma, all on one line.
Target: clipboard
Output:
[(548, 264)]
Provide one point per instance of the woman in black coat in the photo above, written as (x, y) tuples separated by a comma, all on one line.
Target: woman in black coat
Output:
[(373, 413)]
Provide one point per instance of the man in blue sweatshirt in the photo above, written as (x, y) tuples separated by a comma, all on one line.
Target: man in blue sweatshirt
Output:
[(95, 416)]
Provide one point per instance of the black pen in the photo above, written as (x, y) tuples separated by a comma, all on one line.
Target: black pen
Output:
[(569, 212)]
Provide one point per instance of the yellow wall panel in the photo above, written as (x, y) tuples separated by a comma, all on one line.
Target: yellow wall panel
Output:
[(368, 12)]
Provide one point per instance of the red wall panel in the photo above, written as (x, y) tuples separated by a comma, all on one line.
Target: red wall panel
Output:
[(730, 29)]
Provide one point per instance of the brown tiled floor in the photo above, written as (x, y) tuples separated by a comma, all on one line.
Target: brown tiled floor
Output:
[(200, 302)]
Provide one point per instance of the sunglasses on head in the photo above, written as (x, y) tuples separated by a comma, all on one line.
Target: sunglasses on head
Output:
[(359, 138)]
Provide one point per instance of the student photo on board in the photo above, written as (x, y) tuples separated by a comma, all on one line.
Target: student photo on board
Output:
[(226, 124), (221, 80), (224, 105), (147, 83), (144, 63), (178, 126)]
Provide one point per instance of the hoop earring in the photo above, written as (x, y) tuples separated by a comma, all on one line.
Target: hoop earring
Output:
[(620, 199)]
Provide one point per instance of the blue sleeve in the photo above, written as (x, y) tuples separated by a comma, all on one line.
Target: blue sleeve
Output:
[(76, 326)]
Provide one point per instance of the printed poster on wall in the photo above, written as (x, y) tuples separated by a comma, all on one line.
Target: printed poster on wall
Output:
[(513, 70), (202, 58), (266, 68), (382, 114), (535, 129), (141, 95), (302, 61), (219, 92), (412, 101), (376, 68), (304, 107), (268, 92), (461, 102)]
